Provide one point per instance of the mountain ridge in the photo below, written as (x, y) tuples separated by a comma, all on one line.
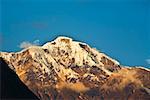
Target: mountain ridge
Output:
[(71, 67)]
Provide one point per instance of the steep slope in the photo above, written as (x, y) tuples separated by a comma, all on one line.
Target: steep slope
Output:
[(67, 69), (11, 86)]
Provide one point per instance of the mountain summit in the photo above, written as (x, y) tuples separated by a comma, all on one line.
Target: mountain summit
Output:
[(69, 70)]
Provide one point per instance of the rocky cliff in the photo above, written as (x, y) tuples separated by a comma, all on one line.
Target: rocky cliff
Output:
[(69, 70)]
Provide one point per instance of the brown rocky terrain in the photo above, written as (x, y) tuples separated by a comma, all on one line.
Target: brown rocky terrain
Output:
[(68, 70)]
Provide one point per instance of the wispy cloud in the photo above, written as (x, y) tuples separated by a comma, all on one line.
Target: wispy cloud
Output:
[(26, 44), (148, 61), (36, 42), (39, 25)]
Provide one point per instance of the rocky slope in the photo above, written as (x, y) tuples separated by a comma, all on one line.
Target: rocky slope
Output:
[(69, 70), (12, 88)]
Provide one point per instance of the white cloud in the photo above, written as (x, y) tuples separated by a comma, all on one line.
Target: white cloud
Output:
[(26, 44), (36, 42), (148, 61)]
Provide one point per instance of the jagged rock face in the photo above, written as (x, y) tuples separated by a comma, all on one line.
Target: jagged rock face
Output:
[(64, 70), (12, 88)]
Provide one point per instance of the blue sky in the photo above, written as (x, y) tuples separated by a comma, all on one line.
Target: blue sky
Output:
[(119, 28)]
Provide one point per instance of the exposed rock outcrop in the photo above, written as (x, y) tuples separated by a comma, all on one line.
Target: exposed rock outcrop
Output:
[(66, 70)]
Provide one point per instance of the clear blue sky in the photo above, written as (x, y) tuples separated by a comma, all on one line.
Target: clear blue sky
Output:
[(120, 28)]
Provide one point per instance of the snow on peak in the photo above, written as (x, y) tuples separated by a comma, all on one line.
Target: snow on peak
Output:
[(65, 63)]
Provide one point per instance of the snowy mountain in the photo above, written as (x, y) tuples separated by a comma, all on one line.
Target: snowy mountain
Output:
[(65, 69)]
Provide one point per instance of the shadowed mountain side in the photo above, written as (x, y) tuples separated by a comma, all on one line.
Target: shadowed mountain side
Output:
[(11, 85)]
